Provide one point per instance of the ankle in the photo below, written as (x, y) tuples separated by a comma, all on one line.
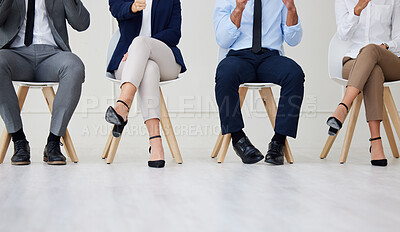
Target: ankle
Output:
[(236, 136), (19, 135), (279, 138), (53, 138)]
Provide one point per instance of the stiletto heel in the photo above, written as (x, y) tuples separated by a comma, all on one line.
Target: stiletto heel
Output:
[(114, 118), (380, 162), (155, 163), (335, 124)]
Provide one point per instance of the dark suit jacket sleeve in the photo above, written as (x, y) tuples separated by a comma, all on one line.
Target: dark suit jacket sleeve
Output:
[(77, 15), (5, 8), (121, 10), (172, 34)]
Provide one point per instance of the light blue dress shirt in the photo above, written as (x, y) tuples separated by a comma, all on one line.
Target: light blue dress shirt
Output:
[(274, 28)]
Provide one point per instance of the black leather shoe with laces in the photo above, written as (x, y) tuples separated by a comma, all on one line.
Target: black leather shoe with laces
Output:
[(247, 152), (275, 153), (52, 154), (22, 153)]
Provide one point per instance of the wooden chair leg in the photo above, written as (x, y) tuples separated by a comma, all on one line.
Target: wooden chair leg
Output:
[(224, 148), (389, 133), (392, 109), (270, 105), (49, 95), (328, 146), (350, 128), (107, 147), (5, 136), (169, 131), (113, 149), (225, 139), (217, 146)]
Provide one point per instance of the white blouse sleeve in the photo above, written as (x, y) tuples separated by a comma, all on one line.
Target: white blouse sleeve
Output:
[(346, 21), (394, 45)]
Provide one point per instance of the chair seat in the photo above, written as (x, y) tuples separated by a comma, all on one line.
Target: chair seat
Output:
[(35, 84), (257, 85), (342, 81), (111, 77)]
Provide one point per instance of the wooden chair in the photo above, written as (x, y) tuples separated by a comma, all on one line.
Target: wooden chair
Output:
[(265, 90), (112, 143), (48, 92), (337, 50)]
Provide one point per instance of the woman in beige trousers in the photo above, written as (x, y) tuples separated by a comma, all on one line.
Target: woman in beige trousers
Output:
[(373, 27), (146, 54)]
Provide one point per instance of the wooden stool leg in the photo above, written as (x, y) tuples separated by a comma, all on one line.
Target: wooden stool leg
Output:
[(389, 133), (5, 136), (350, 128), (217, 146), (392, 109), (270, 105), (328, 146), (107, 147), (227, 138), (169, 131), (113, 149), (49, 95), (224, 148)]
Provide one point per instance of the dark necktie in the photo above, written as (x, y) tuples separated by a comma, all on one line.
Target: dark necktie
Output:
[(30, 18), (257, 26)]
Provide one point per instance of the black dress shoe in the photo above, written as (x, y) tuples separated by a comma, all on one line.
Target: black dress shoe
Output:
[(52, 154), (247, 152), (22, 153), (275, 153)]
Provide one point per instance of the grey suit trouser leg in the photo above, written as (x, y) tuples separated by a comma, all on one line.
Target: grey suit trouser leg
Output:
[(40, 63)]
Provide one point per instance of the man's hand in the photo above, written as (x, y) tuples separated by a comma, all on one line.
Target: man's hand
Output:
[(138, 5), (292, 17), (237, 13), (289, 5), (360, 6), (241, 4)]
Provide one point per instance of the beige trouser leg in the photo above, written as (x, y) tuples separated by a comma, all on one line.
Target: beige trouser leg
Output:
[(373, 66), (149, 62)]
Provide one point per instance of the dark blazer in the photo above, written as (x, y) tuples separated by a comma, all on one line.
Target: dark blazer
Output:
[(166, 20), (12, 14)]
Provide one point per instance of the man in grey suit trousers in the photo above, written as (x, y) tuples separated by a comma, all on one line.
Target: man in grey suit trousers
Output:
[(34, 47)]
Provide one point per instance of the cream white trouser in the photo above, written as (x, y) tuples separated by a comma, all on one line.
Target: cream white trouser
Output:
[(149, 62)]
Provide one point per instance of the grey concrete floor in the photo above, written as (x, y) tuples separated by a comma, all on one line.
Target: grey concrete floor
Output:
[(200, 195)]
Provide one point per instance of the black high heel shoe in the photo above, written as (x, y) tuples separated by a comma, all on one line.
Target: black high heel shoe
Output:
[(381, 162), (155, 163), (335, 124), (114, 118)]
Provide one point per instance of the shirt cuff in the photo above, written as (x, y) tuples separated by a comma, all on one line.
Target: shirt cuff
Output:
[(292, 29), (352, 18)]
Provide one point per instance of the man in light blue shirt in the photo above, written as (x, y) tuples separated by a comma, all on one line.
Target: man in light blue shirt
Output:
[(254, 31)]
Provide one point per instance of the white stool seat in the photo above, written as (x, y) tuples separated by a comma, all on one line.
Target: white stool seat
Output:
[(257, 85), (111, 77), (35, 84)]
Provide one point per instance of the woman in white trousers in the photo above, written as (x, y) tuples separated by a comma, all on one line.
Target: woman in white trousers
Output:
[(145, 55)]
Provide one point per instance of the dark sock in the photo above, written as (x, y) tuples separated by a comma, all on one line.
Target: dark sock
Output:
[(236, 136), (53, 137), (279, 138), (19, 135)]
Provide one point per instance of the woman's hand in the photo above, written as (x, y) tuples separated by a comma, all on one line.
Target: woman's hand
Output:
[(125, 57), (138, 5), (360, 6)]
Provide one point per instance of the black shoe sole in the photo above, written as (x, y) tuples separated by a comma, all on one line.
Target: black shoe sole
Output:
[(156, 164), (21, 163), (272, 161), (54, 162), (254, 161)]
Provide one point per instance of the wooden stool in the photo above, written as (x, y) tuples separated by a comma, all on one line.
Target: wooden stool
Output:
[(389, 106), (112, 143), (222, 144), (48, 92)]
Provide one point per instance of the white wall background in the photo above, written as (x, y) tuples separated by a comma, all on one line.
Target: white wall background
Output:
[(191, 102)]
